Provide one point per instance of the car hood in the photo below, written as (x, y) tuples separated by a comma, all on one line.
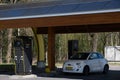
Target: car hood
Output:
[(75, 61)]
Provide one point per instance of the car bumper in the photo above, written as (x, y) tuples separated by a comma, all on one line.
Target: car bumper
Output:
[(73, 69)]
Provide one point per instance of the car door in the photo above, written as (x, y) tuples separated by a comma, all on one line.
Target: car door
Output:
[(94, 62), (102, 61)]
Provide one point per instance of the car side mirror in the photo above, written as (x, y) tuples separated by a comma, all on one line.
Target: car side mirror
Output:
[(91, 58)]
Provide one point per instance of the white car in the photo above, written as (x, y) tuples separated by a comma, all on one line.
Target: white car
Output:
[(85, 63)]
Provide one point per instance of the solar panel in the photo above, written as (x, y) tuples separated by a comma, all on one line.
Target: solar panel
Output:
[(58, 8)]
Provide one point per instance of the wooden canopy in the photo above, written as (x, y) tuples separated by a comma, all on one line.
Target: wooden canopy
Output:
[(66, 16), (63, 16)]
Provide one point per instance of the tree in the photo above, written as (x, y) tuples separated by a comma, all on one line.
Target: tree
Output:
[(94, 41), (8, 56), (1, 47)]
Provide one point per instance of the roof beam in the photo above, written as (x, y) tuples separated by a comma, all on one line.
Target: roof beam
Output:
[(85, 19)]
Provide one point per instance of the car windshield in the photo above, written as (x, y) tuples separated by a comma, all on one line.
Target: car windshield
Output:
[(79, 56)]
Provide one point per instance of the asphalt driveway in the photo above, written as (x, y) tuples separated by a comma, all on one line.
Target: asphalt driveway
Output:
[(114, 74)]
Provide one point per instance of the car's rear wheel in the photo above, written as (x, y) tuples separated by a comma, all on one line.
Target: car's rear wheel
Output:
[(86, 70), (106, 69)]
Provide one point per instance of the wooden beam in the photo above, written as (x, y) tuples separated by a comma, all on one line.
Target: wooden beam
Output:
[(51, 48), (82, 29), (84, 19)]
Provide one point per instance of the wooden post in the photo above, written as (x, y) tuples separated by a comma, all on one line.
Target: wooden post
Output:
[(51, 48)]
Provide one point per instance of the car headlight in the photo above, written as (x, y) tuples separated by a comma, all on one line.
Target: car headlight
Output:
[(78, 65)]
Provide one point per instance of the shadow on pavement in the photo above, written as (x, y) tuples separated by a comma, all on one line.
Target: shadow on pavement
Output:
[(112, 75)]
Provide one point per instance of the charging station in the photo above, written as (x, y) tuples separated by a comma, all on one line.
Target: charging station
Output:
[(23, 46)]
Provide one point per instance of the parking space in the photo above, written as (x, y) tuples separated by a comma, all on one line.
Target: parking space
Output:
[(114, 74)]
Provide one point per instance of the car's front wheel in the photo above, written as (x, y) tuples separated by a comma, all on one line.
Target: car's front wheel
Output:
[(86, 70), (106, 69)]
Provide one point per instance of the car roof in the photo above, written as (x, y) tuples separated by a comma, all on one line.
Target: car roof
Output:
[(88, 52)]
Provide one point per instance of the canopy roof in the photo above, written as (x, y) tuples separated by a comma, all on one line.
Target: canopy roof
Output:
[(65, 16), (58, 8)]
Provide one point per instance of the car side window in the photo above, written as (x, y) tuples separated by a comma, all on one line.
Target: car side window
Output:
[(100, 55), (93, 56)]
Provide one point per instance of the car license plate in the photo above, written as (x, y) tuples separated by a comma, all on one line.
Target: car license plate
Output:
[(69, 68)]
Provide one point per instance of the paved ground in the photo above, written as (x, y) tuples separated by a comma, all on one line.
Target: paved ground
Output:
[(114, 74)]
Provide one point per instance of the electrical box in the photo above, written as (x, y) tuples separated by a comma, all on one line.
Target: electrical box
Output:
[(112, 53), (23, 48)]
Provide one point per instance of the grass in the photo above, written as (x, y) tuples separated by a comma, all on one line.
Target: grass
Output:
[(114, 63)]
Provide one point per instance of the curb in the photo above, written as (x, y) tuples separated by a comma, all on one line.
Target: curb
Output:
[(22, 76)]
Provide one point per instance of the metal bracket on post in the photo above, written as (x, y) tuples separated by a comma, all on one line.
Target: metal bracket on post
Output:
[(41, 66)]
